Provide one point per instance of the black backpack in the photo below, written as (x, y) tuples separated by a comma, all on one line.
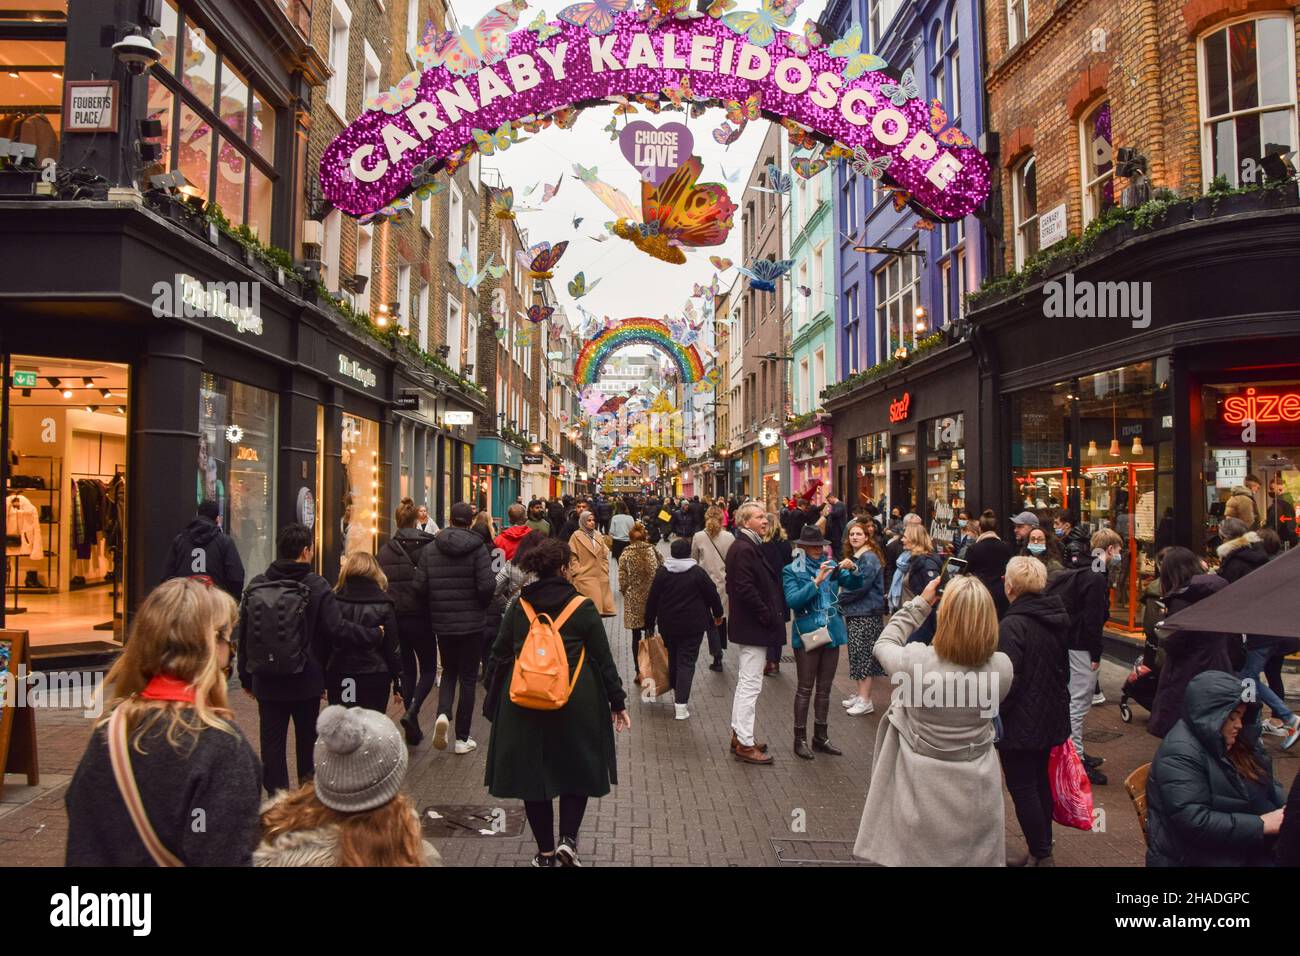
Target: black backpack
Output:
[(275, 627)]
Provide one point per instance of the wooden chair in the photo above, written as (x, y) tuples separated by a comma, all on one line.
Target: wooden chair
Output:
[(1135, 785)]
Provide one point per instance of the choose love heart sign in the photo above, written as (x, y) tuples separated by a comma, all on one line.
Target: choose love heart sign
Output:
[(655, 151)]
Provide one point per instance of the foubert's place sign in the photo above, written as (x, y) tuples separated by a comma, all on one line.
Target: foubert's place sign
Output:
[(370, 164)]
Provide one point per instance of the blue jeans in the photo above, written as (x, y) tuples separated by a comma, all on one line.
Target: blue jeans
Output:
[(1256, 658)]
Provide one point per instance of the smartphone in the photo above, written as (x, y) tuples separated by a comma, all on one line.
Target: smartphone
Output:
[(951, 568)]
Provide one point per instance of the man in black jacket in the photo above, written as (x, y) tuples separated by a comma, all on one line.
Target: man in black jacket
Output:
[(836, 519), (683, 603), (755, 609), (400, 558), (555, 515), (203, 548), (455, 575), (1075, 545), (284, 697)]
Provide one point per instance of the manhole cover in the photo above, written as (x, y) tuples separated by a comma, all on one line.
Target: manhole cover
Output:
[(816, 853), (462, 820), (1101, 736)]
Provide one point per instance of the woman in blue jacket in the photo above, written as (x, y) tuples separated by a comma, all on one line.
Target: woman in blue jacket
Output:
[(811, 589), (862, 602)]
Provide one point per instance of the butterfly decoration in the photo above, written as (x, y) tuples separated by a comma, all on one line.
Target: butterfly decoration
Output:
[(719, 7), (902, 91), (466, 52), (549, 192), (502, 202), (805, 291), (616, 201), (500, 333), (538, 313), (532, 123), (680, 93), (780, 182), (726, 134), (497, 141), (925, 225), (624, 105), (565, 116), (808, 166), (837, 151), (610, 406), (650, 102), (577, 221), (578, 286), (864, 164), (763, 273), (760, 26), (720, 263), (390, 213), (541, 258), (656, 12), (849, 48), (699, 106), (466, 274), (543, 30), (800, 136), (948, 135), (430, 188), (803, 45), (730, 176), (612, 128), (591, 399), (395, 98), (742, 113), (679, 212), (597, 16), (711, 289), (900, 197)]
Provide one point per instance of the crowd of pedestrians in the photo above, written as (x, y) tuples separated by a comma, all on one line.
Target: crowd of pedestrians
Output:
[(1017, 620)]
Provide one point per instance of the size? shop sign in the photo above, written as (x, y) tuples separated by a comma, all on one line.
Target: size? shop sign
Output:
[(900, 409), (354, 370)]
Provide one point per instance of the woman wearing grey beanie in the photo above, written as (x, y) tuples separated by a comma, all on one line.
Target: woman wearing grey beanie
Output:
[(352, 813)]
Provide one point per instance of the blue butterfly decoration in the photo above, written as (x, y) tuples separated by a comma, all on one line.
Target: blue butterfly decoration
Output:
[(763, 273), (902, 91)]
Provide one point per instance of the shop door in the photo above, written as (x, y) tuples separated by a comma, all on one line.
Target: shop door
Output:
[(902, 490), (65, 500)]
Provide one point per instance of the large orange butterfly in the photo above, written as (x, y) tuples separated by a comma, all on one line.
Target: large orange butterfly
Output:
[(678, 213), (751, 109), (800, 137), (951, 136)]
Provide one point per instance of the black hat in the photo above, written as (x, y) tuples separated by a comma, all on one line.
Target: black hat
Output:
[(811, 536)]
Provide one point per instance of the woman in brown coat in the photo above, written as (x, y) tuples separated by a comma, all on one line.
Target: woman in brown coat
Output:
[(636, 572), (589, 571)]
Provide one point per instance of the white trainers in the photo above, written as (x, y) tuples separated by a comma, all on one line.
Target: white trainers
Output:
[(682, 712), (861, 707), (440, 732), (465, 746), (1275, 727), (850, 701), (1098, 699)]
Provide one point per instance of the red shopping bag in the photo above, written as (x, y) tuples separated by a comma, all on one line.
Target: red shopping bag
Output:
[(1071, 790)]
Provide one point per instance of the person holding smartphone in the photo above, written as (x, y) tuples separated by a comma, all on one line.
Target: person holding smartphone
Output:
[(811, 588), (862, 601)]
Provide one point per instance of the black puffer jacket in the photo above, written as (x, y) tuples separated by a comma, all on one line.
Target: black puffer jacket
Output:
[(1035, 633), (1188, 653), (203, 548), (1240, 556), (399, 558), (455, 576), (683, 600), (1200, 810), (365, 604), (1077, 548)]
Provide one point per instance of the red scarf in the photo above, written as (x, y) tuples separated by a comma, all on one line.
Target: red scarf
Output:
[(165, 687)]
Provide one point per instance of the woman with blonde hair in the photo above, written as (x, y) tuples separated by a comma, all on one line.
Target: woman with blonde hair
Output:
[(360, 674), (709, 549), (352, 812), (935, 797), (917, 566), (168, 747)]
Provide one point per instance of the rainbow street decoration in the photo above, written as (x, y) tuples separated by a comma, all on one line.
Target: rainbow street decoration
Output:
[(637, 331)]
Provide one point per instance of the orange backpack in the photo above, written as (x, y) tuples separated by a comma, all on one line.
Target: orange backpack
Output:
[(541, 676)]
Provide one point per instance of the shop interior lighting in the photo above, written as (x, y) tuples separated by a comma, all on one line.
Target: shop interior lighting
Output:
[(1092, 449), (88, 382), (106, 392), (54, 382), (920, 318), (92, 408), (67, 393), (121, 409), (1114, 430), (1137, 445)]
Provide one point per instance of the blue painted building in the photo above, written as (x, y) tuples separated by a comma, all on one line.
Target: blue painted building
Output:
[(879, 293)]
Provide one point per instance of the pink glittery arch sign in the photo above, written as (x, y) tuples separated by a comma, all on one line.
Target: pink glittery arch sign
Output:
[(369, 164)]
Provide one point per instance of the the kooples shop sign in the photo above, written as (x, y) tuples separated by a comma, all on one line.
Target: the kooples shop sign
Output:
[(238, 303), (351, 368), (852, 99)]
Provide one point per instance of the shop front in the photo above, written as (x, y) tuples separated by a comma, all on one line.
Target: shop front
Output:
[(900, 442), (1147, 426), (536, 468), (770, 470), (497, 473), (810, 461)]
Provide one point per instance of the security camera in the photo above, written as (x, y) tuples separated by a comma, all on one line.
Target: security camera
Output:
[(136, 52)]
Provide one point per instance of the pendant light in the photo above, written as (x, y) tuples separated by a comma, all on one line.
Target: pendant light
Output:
[(1114, 442), (1137, 445), (1092, 449)]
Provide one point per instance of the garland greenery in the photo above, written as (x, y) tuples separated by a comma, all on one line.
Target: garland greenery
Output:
[(927, 344)]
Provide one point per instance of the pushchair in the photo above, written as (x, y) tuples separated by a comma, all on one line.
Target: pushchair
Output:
[(1144, 678)]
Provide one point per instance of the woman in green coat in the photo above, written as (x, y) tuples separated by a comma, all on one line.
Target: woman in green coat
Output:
[(538, 755)]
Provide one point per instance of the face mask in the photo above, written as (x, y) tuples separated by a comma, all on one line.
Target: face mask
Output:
[(1037, 548), (1060, 532), (1116, 560)]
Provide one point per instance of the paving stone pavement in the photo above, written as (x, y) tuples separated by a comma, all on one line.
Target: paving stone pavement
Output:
[(681, 798)]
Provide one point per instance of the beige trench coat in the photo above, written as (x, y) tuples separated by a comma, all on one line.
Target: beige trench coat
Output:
[(935, 797), (589, 571)]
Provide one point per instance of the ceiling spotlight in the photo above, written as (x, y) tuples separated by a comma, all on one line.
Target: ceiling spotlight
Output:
[(121, 409), (54, 382), (88, 382), (27, 393), (92, 408), (13, 74), (67, 393), (106, 392)]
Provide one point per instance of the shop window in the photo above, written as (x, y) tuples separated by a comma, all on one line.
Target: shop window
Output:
[(194, 158), (1248, 97), (361, 483), (1017, 21), (897, 295), (31, 92), (945, 474), (236, 464), (1097, 162), (1024, 200), (199, 65), (871, 455)]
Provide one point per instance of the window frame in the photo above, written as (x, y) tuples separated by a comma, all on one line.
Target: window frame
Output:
[(1089, 204), (908, 286), (1019, 225), (1014, 38), (455, 221), (336, 91)]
